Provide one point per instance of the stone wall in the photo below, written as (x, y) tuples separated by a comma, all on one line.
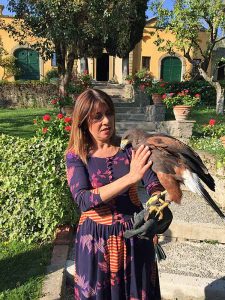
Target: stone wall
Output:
[(155, 113), (178, 129), (27, 94), (218, 174)]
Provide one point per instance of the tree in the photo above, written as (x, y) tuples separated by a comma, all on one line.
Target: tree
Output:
[(7, 63), (187, 19), (77, 28)]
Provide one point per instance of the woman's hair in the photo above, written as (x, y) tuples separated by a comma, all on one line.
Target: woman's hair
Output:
[(86, 105)]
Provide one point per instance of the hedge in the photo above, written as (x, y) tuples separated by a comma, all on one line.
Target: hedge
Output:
[(35, 197)]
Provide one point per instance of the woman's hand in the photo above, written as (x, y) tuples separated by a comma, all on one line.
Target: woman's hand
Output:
[(139, 164)]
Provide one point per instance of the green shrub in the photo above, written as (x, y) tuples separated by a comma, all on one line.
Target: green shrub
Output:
[(53, 73), (35, 198)]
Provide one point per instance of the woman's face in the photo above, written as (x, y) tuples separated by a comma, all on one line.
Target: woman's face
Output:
[(101, 124)]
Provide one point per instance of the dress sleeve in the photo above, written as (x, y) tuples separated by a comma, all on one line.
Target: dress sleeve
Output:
[(78, 180), (150, 180)]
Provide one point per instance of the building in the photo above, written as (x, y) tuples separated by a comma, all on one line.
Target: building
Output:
[(145, 55)]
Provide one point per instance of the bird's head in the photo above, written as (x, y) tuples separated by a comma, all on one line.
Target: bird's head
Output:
[(131, 137)]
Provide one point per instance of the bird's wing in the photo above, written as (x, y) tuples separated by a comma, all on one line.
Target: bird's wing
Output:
[(170, 150)]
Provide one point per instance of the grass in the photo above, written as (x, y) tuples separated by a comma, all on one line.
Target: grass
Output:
[(22, 270), (19, 121)]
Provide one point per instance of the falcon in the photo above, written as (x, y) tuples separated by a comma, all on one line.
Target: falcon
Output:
[(175, 163)]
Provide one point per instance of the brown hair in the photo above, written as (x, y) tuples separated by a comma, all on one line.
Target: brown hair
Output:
[(87, 103)]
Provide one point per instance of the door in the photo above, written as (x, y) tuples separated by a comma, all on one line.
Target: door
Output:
[(103, 67), (171, 69), (28, 62)]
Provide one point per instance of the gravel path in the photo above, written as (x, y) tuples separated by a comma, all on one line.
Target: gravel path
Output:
[(194, 259), (192, 209)]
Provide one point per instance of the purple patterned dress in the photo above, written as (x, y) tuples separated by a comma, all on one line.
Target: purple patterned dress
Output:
[(107, 265)]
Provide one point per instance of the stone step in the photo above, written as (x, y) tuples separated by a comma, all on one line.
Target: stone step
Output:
[(147, 126), (129, 110), (130, 117)]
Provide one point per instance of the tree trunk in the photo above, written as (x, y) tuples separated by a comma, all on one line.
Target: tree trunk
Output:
[(219, 91)]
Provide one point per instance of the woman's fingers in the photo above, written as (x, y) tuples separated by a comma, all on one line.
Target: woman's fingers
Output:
[(141, 152)]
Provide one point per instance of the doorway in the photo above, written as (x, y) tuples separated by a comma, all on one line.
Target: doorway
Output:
[(102, 68)]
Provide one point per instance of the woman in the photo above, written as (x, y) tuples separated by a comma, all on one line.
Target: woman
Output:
[(102, 180)]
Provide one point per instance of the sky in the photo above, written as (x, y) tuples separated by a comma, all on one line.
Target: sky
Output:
[(167, 3)]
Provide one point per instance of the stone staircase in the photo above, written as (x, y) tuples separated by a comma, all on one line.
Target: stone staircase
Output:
[(128, 113)]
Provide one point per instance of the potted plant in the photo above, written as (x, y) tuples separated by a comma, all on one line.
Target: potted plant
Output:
[(142, 79), (65, 103), (156, 90), (128, 79), (181, 103)]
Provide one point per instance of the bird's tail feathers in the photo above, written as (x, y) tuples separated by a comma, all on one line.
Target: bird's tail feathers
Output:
[(191, 180)]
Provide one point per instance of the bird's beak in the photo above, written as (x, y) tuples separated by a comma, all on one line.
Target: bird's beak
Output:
[(123, 143)]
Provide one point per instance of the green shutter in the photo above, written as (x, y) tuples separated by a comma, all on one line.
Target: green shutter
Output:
[(28, 62), (171, 69)]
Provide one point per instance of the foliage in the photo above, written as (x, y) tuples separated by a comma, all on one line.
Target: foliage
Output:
[(76, 29), (211, 145), (32, 259), (157, 87), (142, 79), (214, 129), (182, 98), (187, 21), (53, 73), (201, 87), (35, 198), (8, 64), (58, 126), (128, 77)]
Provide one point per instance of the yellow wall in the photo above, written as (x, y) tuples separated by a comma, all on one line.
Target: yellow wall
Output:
[(10, 45), (145, 47)]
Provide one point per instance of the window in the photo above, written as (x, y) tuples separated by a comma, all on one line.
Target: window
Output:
[(146, 62), (53, 60)]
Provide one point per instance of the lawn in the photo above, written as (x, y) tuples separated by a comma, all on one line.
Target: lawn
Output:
[(22, 270), (19, 121)]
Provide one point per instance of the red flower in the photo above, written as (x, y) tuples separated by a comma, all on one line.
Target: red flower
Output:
[(85, 72), (35, 121), (67, 119), (44, 130), (164, 96), (142, 87), (197, 96), (186, 91), (46, 118), (162, 84), (54, 101), (171, 94), (212, 122), (67, 128), (60, 116)]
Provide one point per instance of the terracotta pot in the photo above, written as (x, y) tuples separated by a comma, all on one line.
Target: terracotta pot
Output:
[(157, 99), (181, 112), (222, 138), (128, 81), (67, 110)]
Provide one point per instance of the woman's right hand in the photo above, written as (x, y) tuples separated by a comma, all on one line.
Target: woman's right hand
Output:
[(139, 163)]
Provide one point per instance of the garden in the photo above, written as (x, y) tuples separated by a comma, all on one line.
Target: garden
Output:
[(35, 198)]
